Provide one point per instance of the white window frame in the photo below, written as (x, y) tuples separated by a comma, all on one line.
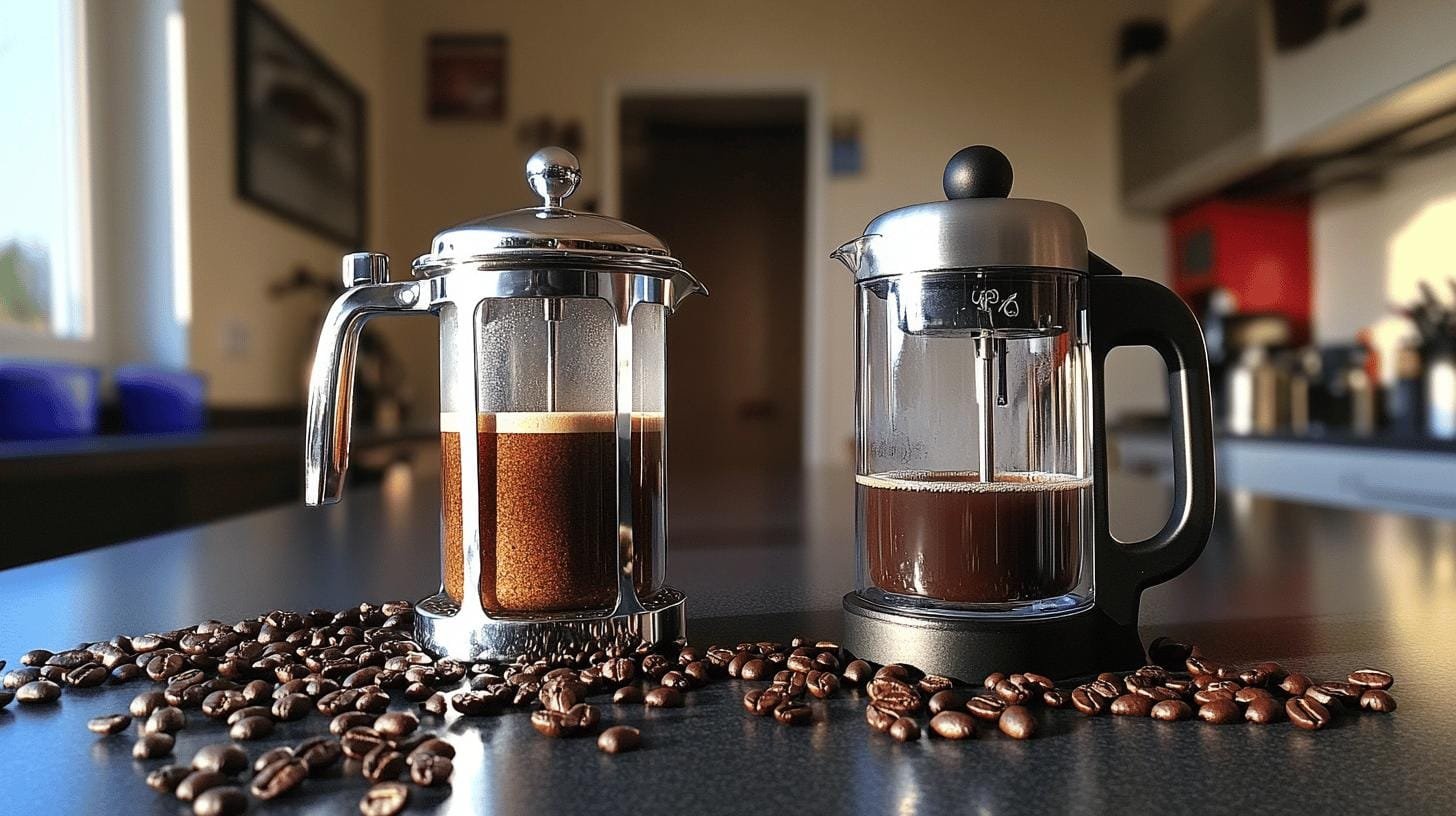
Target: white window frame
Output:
[(80, 342)]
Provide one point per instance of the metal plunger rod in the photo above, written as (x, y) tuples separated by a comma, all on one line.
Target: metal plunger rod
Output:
[(553, 329), (986, 374)]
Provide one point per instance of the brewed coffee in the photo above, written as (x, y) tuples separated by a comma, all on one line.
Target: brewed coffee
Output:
[(547, 508), (951, 537)]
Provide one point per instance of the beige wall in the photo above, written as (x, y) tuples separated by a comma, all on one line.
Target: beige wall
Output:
[(925, 77), (1372, 245), (249, 344)]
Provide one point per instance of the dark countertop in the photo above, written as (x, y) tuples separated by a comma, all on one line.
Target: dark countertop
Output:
[(1321, 590)]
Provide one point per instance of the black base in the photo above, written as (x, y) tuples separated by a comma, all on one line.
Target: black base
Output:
[(1077, 644)]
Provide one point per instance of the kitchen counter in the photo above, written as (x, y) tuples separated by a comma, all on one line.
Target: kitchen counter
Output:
[(1321, 590)]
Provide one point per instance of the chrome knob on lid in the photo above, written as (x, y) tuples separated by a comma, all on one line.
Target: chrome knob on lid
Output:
[(554, 173)]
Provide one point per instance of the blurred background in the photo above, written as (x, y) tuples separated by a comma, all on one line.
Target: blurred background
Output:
[(178, 179)]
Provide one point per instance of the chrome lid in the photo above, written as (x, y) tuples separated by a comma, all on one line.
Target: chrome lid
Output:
[(550, 235), (976, 228)]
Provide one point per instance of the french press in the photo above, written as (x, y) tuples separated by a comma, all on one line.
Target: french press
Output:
[(981, 475), (552, 421)]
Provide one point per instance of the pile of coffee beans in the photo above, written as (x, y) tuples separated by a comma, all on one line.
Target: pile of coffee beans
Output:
[(360, 671)]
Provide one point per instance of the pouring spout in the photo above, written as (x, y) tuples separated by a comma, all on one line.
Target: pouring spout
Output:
[(852, 253)]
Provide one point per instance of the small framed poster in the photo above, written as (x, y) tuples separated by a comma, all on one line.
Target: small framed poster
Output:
[(466, 77)]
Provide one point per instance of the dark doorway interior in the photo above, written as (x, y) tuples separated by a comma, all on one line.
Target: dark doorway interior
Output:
[(722, 180)]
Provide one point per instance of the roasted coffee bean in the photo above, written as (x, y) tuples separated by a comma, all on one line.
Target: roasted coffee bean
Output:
[(793, 713), (627, 694), (676, 680), (932, 684), (893, 671), (894, 694), (1179, 686), (760, 702), (432, 745), (125, 673), (374, 701), (1378, 700), (663, 697), (110, 724), (1157, 693), (167, 778), (1295, 684), (257, 691), (800, 663), (35, 657), (152, 746), (1254, 678), (383, 764), (1132, 705), (1264, 710), (755, 669), (320, 753), (348, 720), (619, 739), (1087, 701), (1171, 710), (1335, 692), (1307, 713), (1113, 679), (87, 675), (1247, 695), (579, 720), (953, 725), (1108, 690), (428, 770), (219, 704), (70, 659), (16, 678), (386, 799), (396, 725), (992, 679), (858, 672), (1017, 722), (55, 674), (165, 719), (358, 742), (1056, 698), (1168, 653), (251, 728), (163, 666), (880, 719), (823, 684), (38, 692), (1221, 711), (904, 729), (1134, 683), (221, 801), (279, 778), (477, 703), (1012, 693), (944, 700), (145, 703), (271, 756), (986, 707), (1210, 695), (199, 782), (224, 758), (436, 704), (1371, 679), (250, 711)]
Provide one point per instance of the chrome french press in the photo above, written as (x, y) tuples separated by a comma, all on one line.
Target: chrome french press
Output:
[(982, 541), (552, 421)]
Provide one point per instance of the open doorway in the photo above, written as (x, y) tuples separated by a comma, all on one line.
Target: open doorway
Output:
[(722, 179)]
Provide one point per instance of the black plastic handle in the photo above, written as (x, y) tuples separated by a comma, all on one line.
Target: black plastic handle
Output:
[(1128, 311)]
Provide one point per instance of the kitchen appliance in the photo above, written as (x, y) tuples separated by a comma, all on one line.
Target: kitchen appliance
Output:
[(982, 536), (552, 398)]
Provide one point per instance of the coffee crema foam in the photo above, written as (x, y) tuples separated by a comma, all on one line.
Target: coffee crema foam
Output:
[(929, 481), (546, 422)]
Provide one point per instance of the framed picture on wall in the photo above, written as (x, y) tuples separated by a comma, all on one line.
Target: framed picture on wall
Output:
[(465, 77), (300, 130)]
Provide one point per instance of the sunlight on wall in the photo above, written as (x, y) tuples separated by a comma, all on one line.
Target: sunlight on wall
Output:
[(1420, 251)]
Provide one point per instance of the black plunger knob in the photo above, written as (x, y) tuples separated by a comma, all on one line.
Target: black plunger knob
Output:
[(978, 171)]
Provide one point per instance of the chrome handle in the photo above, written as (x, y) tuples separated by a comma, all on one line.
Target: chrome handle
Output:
[(331, 380)]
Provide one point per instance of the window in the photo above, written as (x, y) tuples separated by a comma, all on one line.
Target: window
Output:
[(45, 258)]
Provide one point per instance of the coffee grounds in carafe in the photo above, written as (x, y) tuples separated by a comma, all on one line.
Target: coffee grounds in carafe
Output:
[(547, 509)]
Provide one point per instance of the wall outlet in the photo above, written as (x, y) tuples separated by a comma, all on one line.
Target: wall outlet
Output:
[(236, 339)]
